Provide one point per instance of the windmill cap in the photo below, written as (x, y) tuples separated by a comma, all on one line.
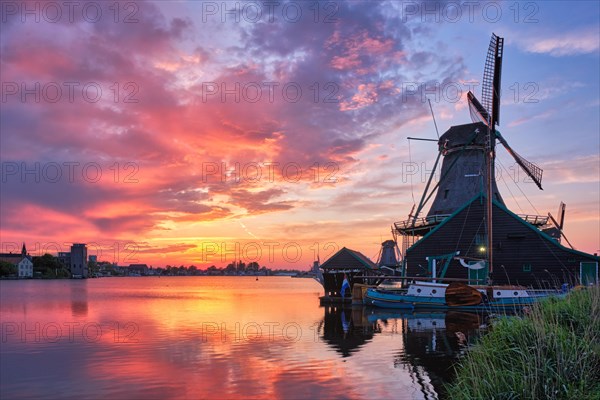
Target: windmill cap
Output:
[(460, 135)]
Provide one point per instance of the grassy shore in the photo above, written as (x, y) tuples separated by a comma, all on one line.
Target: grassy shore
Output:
[(552, 352)]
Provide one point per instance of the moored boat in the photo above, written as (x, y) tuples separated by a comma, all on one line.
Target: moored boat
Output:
[(432, 295)]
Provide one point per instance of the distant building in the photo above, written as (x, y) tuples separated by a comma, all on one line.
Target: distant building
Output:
[(93, 258), (346, 264), (120, 269), (315, 267), (22, 261), (79, 257), (64, 257), (138, 269)]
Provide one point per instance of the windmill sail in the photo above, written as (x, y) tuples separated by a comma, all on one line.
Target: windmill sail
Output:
[(488, 111), (478, 113), (490, 89), (532, 170)]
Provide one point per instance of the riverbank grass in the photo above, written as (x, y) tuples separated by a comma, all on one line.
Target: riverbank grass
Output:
[(552, 352)]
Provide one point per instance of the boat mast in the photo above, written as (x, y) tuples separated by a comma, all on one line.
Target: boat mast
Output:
[(492, 74), (489, 151)]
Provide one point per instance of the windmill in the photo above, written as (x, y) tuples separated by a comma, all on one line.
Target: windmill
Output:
[(389, 257), (555, 230), (468, 167), (465, 148)]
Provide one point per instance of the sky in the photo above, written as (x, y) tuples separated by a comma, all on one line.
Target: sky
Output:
[(200, 132)]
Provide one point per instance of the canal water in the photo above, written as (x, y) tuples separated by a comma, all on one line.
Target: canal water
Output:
[(218, 337)]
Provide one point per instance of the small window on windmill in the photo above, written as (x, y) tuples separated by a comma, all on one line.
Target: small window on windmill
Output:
[(446, 194), (526, 267)]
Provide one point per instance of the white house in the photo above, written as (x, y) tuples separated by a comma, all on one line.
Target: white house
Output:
[(25, 267), (21, 261)]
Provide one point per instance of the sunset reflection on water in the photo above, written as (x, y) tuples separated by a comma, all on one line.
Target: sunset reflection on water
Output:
[(199, 337)]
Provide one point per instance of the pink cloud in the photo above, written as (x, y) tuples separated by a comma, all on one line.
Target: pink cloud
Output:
[(349, 76)]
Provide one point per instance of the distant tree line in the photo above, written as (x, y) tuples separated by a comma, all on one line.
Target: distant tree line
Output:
[(8, 269), (49, 266)]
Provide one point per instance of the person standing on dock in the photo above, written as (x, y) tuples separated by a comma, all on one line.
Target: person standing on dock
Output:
[(345, 286)]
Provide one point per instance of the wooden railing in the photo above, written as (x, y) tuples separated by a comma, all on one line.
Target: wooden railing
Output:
[(537, 220), (426, 222), (420, 223)]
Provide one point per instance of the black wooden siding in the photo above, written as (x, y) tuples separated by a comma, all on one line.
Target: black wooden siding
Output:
[(515, 245)]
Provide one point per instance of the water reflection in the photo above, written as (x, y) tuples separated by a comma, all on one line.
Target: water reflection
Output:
[(430, 342), (433, 343), (345, 329), (79, 299), (184, 337)]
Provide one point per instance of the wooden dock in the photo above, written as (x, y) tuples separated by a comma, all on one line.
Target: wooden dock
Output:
[(335, 300)]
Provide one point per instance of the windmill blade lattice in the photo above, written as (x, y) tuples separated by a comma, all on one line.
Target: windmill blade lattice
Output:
[(532, 170), (490, 88), (478, 113)]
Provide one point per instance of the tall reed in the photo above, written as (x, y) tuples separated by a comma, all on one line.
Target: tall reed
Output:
[(550, 352)]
